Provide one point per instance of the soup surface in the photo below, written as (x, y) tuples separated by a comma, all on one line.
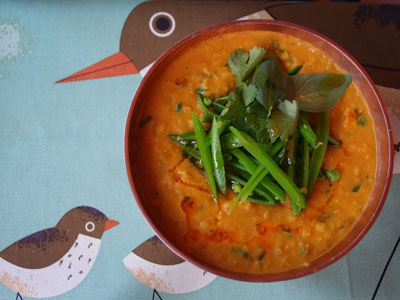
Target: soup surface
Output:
[(254, 238)]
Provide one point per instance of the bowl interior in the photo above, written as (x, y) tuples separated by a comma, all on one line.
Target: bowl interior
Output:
[(370, 94)]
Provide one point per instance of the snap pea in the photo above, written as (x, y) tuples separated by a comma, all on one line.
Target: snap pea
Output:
[(249, 186), (258, 190), (205, 154), (207, 114), (218, 160), (333, 141), (318, 153), (292, 145), (251, 168), (229, 141), (218, 107), (222, 99), (259, 201), (191, 152), (305, 164), (284, 181), (305, 129), (294, 70)]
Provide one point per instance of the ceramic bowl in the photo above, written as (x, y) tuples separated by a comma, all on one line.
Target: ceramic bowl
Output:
[(360, 78)]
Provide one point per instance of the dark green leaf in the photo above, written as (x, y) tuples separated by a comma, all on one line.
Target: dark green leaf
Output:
[(179, 107), (319, 92), (273, 82), (252, 120)]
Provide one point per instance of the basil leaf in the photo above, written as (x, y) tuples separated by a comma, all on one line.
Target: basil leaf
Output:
[(273, 82), (319, 92)]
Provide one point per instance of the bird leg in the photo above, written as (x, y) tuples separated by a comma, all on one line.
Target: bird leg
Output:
[(19, 297)]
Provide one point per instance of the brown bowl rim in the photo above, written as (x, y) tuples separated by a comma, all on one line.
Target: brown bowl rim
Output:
[(259, 277)]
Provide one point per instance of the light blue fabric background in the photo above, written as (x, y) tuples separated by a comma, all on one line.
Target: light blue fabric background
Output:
[(61, 146)]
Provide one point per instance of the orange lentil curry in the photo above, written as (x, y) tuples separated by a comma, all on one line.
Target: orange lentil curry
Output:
[(253, 238)]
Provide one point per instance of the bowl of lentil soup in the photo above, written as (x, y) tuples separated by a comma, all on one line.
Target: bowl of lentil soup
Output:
[(317, 202)]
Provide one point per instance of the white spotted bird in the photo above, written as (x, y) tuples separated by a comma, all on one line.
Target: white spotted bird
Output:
[(53, 261)]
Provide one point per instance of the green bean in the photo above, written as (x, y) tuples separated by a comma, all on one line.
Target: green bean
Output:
[(294, 70), (207, 114), (258, 189), (259, 201), (218, 107), (205, 153), (222, 99), (305, 164), (332, 174), (249, 186), (319, 153), (306, 131), (218, 160), (229, 141), (292, 145), (288, 185), (333, 141), (251, 168), (191, 152), (207, 101)]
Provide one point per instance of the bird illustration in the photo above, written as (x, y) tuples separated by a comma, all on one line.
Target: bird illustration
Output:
[(155, 265), (153, 26), (53, 261)]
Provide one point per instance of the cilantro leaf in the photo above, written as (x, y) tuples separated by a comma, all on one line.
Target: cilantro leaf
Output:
[(248, 93), (273, 82), (320, 92), (243, 64), (283, 121)]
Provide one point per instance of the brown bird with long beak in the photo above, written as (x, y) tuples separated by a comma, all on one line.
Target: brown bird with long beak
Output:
[(55, 260), (154, 26)]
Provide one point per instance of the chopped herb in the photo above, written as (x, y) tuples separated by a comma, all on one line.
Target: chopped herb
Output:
[(201, 90), (240, 251), (362, 121), (356, 188), (261, 256), (179, 107), (340, 228), (294, 70), (145, 121), (304, 250), (356, 112), (186, 199), (242, 64)]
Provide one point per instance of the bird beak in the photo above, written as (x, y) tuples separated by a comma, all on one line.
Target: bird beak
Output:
[(114, 65), (110, 224)]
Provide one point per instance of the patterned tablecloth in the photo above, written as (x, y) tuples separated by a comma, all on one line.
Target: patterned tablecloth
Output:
[(61, 149)]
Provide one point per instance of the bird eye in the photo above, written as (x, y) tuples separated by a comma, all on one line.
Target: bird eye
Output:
[(162, 24), (90, 226)]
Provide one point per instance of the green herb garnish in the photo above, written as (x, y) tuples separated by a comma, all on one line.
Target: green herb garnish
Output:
[(271, 152)]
